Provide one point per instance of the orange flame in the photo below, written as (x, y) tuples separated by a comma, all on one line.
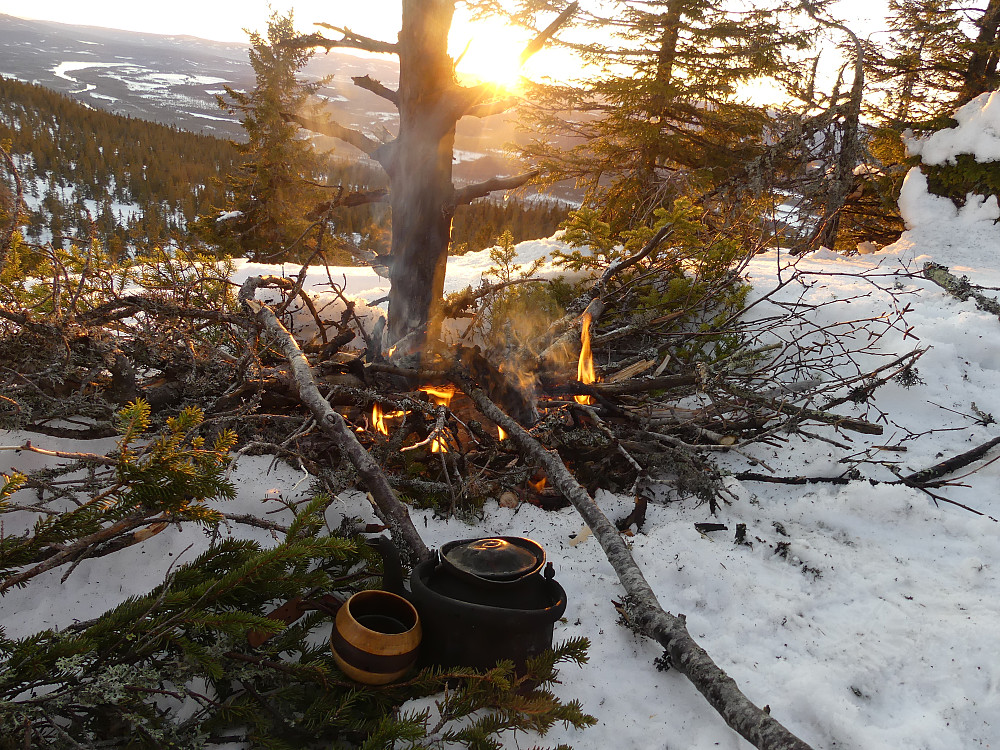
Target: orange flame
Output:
[(438, 445), (392, 350), (379, 418), (585, 368), (501, 433), (377, 421), (538, 486), (440, 395)]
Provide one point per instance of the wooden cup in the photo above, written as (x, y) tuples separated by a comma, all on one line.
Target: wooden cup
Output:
[(376, 637)]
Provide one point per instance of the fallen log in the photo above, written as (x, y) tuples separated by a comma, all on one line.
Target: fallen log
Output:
[(388, 507), (753, 723), (960, 288)]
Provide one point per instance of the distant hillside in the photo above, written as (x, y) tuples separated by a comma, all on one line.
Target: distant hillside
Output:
[(140, 181)]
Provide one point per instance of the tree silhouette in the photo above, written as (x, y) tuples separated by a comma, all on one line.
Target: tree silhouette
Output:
[(418, 161)]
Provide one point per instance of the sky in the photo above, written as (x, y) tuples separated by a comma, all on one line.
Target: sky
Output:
[(225, 20), (492, 55)]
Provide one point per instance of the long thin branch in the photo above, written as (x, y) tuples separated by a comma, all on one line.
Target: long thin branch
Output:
[(93, 458), (960, 288), (839, 421), (482, 189), (349, 39), (494, 107), (952, 464), (80, 545), (750, 721), (548, 32), (333, 129), (390, 510)]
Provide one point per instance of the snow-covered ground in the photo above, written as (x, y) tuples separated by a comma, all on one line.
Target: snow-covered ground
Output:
[(876, 628)]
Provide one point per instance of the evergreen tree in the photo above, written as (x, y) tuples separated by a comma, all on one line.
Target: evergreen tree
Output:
[(663, 116), (920, 69), (981, 74), (275, 186)]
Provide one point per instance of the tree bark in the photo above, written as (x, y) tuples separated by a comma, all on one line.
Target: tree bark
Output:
[(981, 75), (755, 724), (418, 162), (389, 509), (421, 191)]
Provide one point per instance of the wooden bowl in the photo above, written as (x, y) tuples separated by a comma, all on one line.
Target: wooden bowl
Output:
[(376, 637)]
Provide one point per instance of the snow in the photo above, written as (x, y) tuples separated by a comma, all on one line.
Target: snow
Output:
[(876, 629), (211, 117), (978, 134), (63, 69)]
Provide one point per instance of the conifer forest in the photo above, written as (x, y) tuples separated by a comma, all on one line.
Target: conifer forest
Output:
[(719, 260)]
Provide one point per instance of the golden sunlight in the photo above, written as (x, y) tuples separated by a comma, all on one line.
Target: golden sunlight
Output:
[(489, 52)]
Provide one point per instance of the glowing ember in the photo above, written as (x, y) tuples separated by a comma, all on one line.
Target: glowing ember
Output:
[(585, 369), (501, 433), (440, 395)]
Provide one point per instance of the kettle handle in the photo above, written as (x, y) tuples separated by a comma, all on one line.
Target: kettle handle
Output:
[(392, 567)]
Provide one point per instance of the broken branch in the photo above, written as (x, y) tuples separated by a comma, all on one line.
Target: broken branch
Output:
[(334, 129), (390, 510), (548, 32), (750, 721), (368, 83), (349, 40), (482, 189)]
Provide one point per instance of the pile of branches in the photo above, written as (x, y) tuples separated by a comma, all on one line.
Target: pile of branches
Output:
[(504, 417)]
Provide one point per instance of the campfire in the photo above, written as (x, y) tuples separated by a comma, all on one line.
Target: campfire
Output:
[(585, 372)]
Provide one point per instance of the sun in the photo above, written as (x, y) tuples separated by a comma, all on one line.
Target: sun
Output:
[(489, 52)]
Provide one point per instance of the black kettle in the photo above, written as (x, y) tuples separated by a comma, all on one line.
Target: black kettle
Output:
[(482, 601)]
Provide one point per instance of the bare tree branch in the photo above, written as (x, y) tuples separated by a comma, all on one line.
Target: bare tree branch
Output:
[(482, 189), (547, 33), (357, 198), (368, 83), (390, 510), (494, 107), (88, 457), (348, 40), (333, 129)]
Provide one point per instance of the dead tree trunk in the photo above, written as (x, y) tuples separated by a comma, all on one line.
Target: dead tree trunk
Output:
[(418, 161), (847, 147), (422, 195)]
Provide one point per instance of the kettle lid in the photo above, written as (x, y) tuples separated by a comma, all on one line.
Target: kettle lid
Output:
[(495, 558)]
